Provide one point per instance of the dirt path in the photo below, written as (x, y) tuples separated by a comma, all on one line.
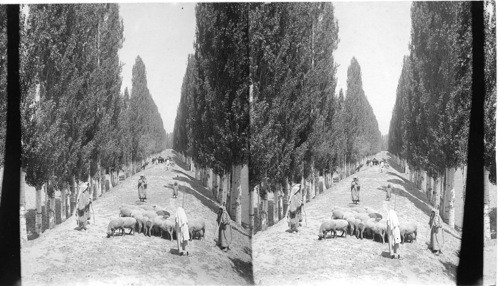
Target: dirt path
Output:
[(283, 257), (65, 256)]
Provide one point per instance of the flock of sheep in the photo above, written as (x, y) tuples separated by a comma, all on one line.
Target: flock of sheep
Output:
[(149, 220), (363, 222)]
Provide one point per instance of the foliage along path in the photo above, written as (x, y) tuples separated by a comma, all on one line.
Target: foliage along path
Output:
[(64, 256), (283, 257)]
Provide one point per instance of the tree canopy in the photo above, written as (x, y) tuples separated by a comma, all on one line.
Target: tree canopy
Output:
[(430, 123), (212, 122), (74, 119)]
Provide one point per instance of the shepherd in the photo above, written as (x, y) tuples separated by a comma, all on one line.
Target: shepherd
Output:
[(176, 190), (393, 233), (294, 214), (141, 188), (224, 222), (182, 231), (83, 208), (355, 188), (388, 192), (436, 226)]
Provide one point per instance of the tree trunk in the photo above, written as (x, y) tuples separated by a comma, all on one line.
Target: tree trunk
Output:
[(38, 219), (72, 189), (22, 211), (428, 186), (448, 204), (265, 215), (280, 202), (252, 211), (64, 214), (49, 206), (286, 197), (275, 205), (487, 229)]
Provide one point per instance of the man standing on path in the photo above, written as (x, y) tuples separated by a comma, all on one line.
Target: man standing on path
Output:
[(182, 231), (388, 191), (435, 224), (83, 208), (141, 188), (176, 190), (295, 208), (393, 233), (355, 188), (224, 223)]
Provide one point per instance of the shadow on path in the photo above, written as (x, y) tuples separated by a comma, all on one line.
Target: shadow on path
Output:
[(392, 162), (418, 198), (179, 163), (196, 189), (244, 269), (449, 269)]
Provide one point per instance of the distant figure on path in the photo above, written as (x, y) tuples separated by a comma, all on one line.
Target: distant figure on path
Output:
[(393, 233), (168, 163), (176, 190), (224, 223), (182, 230), (435, 224), (295, 206), (388, 192), (355, 188), (83, 208), (141, 188)]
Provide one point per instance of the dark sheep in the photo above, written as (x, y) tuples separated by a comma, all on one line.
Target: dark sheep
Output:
[(157, 222), (196, 227), (163, 213), (375, 216), (113, 225), (333, 226), (370, 227)]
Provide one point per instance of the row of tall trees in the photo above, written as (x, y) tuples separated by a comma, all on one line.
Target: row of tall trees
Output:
[(76, 125), (299, 128), (212, 122), (262, 82), (430, 120)]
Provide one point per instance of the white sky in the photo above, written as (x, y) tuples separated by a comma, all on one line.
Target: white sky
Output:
[(162, 35), (376, 33)]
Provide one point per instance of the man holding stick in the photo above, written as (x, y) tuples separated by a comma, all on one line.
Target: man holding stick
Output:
[(224, 227), (295, 205)]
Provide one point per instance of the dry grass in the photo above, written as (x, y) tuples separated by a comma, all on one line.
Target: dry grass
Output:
[(65, 256)]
